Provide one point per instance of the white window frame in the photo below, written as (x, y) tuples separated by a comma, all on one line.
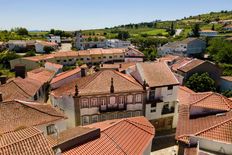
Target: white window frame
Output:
[(129, 100)]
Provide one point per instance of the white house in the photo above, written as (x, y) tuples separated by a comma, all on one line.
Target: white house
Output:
[(39, 46), (208, 33), (18, 114), (116, 43), (161, 93), (54, 39)]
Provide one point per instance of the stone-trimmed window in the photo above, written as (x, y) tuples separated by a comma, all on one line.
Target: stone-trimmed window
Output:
[(121, 100), (112, 100), (94, 119), (129, 98), (84, 103), (138, 98), (51, 129), (85, 120), (102, 101), (94, 102)]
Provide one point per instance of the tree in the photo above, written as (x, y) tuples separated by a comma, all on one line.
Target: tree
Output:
[(5, 58), (21, 31), (213, 28), (123, 35), (195, 30), (201, 83), (52, 31), (48, 49), (172, 30), (29, 54)]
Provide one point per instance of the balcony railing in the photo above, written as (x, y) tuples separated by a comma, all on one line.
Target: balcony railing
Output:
[(168, 110), (111, 108)]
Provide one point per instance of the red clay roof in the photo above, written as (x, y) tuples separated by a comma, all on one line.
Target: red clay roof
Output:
[(16, 114), (183, 95), (64, 75), (57, 66), (180, 63), (156, 74), (100, 83), (46, 43), (41, 74), (28, 141), (125, 136), (190, 65), (11, 91)]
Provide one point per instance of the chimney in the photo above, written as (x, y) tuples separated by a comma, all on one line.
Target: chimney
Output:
[(82, 72), (112, 86), (3, 79), (76, 90), (144, 85), (20, 70), (1, 97)]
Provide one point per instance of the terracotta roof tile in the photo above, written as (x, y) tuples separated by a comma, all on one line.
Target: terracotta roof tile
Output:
[(190, 65), (41, 74), (24, 142), (57, 66), (180, 63), (11, 91), (126, 136), (15, 114), (156, 74), (183, 95), (64, 75), (99, 83)]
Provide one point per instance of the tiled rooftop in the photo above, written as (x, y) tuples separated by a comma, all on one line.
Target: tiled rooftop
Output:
[(125, 136)]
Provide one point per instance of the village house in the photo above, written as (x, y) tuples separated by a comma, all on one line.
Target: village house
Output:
[(131, 136), (25, 141), (186, 67), (208, 33), (204, 123), (33, 86), (91, 56), (21, 45), (228, 27), (16, 114), (104, 95), (161, 93), (186, 47), (39, 46), (87, 42), (65, 77), (54, 39)]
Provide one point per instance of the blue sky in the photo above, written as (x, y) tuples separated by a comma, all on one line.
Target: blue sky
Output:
[(88, 14)]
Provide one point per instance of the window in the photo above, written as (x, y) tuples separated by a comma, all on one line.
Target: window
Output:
[(153, 110), (121, 56), (102, 101), (99, 57), (64, 60), (58, 61), (94, 119), (170, 87), (93, 102), (70, 59), (112, 100), (82, 59), (85, 120), (138, 98), (152, 95), (51, 129), (121, 100), (104, 57), (129, 99), (87, 59), (85, 103), (110, 57)]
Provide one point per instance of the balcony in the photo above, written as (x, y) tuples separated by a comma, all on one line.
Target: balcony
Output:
[(168, 110), (115, 107)]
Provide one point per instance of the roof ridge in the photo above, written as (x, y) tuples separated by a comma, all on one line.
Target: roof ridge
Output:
[(127, 78), (133, 123), (225, 99), (28, 105), (214, 126), (211, 93), (20, 87)]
